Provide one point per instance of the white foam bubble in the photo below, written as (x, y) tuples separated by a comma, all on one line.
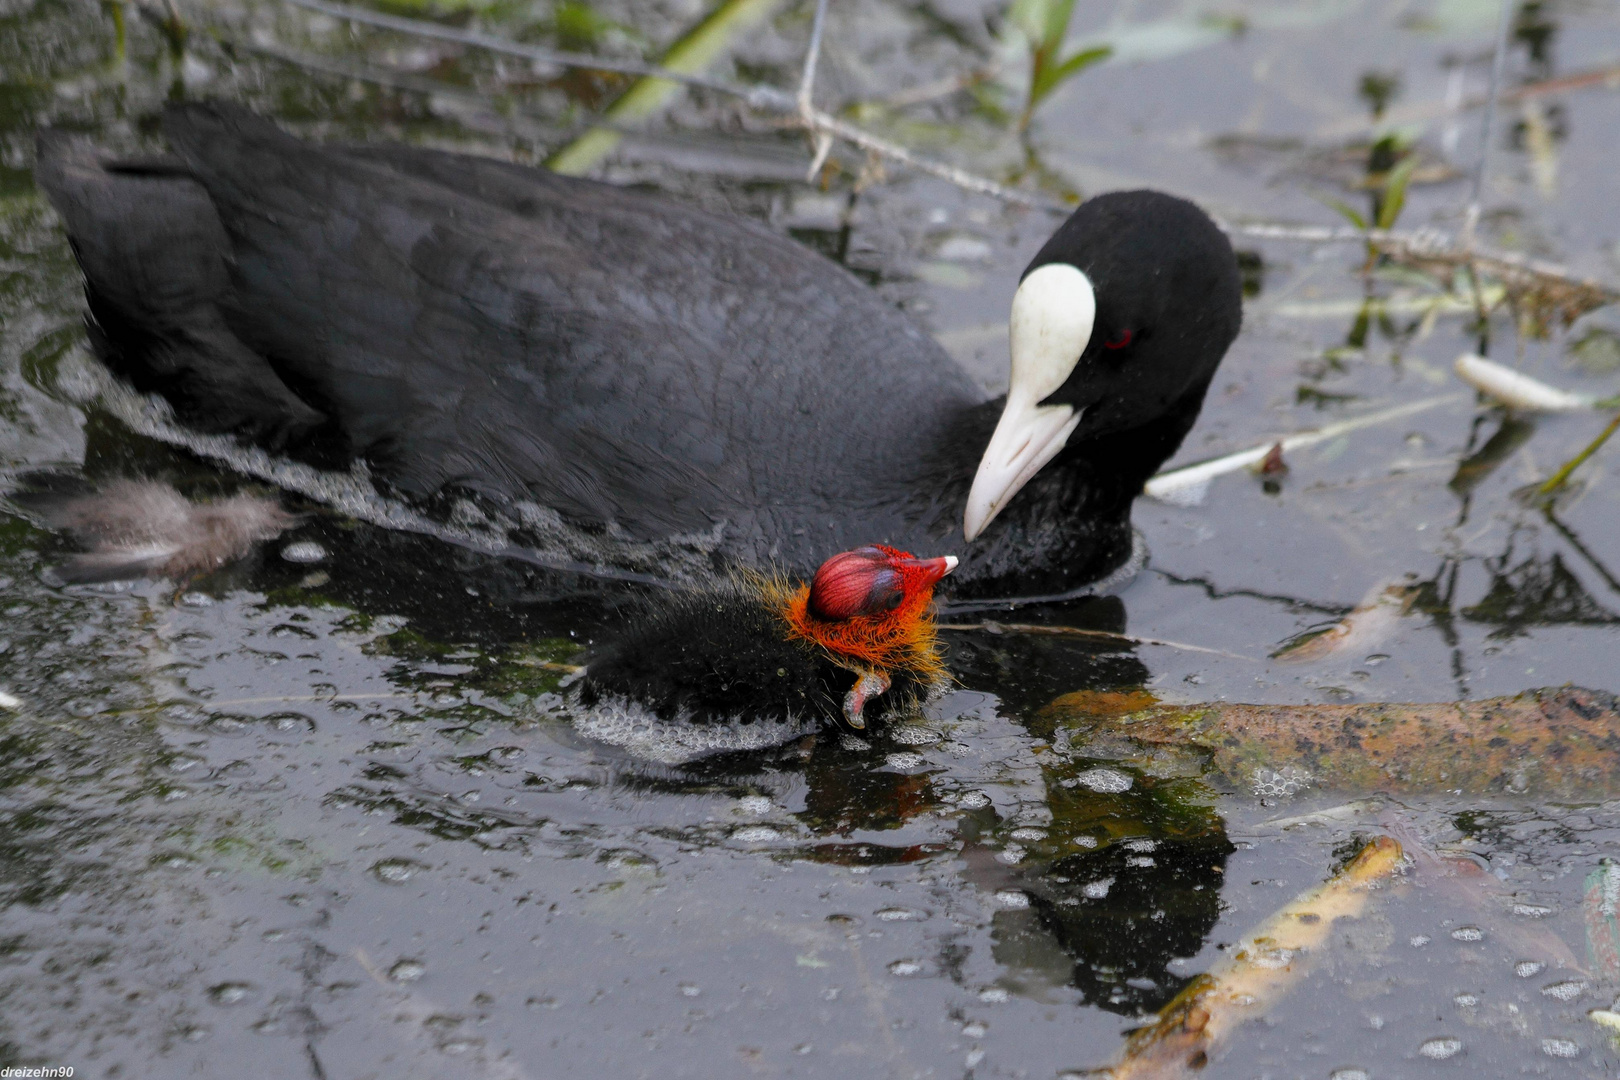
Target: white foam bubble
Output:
[(678, 740), (530, 532)]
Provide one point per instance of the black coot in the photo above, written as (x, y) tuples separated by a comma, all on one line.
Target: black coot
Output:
[(632, 370)]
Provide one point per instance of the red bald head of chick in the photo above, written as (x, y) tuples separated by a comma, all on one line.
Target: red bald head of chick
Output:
[(871, 611)]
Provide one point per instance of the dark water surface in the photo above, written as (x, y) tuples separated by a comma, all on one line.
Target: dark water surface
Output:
[(318, 820)]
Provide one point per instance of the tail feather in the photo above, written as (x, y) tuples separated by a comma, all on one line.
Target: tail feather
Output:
[(155, 256)]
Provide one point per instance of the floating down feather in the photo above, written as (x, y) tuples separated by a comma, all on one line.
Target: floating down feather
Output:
[(145, 528)]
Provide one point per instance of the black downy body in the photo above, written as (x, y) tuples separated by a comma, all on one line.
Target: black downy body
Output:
[(644, 369)]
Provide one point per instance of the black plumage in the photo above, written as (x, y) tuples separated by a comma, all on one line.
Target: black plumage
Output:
[(642, 368)]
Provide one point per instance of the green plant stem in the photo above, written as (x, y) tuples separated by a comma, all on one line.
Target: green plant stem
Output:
[(691, 55), (1559, 478)]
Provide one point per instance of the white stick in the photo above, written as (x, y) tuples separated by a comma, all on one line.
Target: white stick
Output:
[(1187, 486), (1517, 390)]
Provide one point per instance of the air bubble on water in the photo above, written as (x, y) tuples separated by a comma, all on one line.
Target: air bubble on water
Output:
[(994, 995), (689, 989), (1028, 834), (1532, 911), (1280, 783), (1096, 890), (1349, 1074), (1468, 933), (803, 1048), (303, 551), (853, 742), (904, 760), (676, 740), (1561, 1048), (973, 800), (1525, 969), (1272, 959), (1440, 1049), (1420, 940), (904, 968), (974, 1056), (1565, 989), (1142, 845), (229, 993), (1466, 1001), (1011, 855), (756, 834), (900, 914), (395, 871), (754, 804), (1103, 781), (1012, 898), (196, 600), (1085, 841), (913, 735), (407, 970), (974, 1029)]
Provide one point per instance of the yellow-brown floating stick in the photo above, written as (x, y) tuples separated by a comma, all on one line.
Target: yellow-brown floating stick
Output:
[(1551, 741), (1259, 970)]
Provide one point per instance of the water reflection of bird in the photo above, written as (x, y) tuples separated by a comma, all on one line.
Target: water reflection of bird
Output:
[(633, 375)]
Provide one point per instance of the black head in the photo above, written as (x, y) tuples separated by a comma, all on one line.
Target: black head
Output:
[(1121, 317)]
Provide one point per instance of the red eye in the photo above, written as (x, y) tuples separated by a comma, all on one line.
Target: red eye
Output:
[(1119, 340)]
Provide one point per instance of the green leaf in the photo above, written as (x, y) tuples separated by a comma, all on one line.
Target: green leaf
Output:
[(1348, 212), (1395, 192), (1050, 79), (1057, 23)]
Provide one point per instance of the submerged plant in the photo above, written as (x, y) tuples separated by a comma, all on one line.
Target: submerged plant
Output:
[(1045, 23)]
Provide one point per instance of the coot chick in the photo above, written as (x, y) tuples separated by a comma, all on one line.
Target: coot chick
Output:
[(648, 386), (752, 660)]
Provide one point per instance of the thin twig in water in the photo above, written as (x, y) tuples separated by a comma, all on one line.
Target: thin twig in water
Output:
[(1607, 75), (820, 140), (1471, 218), (1035, 629)]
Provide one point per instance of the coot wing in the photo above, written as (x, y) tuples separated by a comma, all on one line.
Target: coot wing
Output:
[(615, 357)]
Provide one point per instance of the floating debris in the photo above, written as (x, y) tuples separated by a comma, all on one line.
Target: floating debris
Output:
[(1600, 911), (1256, 972), (1188, 485), (1554, 740), (1368, 625), (1517, 390)]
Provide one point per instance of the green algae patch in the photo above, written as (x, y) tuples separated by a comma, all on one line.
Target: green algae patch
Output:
[(1562, 740)]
